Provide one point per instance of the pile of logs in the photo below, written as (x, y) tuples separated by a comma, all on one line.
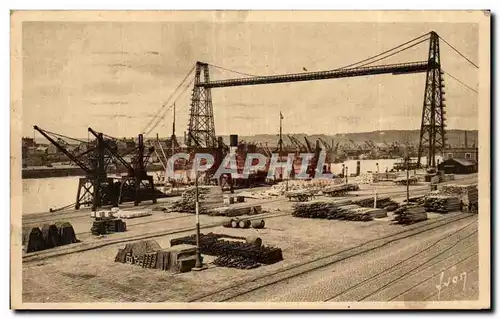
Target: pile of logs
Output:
[(442, 203), (410, 214), (49, 236), (341, 210), (211, 244)]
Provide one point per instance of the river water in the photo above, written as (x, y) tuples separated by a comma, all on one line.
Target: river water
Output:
[(39, 195)]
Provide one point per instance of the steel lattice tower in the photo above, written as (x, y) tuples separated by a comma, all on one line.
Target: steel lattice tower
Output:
[(432, 129), (201, 118)]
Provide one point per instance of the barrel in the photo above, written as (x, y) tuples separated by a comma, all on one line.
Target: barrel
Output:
[(244, 223), (227, 223), (234, 223), (258, 223), (256, 241)]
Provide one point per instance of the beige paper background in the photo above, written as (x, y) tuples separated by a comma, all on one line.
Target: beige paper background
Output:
[(482, 18)]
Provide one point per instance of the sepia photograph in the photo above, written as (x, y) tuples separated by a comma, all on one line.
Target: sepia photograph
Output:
[(250, 159)]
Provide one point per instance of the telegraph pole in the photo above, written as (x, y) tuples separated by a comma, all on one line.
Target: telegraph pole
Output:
[(407, 160)]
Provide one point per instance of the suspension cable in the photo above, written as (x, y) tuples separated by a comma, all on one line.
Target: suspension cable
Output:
[(385, 52), (461, 82), (169, 98), (160, 118), (463, 56), (222, 68), (415, 44)]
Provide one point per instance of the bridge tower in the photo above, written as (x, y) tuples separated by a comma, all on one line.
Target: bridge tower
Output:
[(432, 129), (201, 129)]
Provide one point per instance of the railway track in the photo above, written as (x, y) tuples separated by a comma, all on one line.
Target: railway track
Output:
[(407, 267), (248, 286)]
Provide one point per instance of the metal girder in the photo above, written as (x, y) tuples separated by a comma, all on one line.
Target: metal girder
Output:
[(401, 68)]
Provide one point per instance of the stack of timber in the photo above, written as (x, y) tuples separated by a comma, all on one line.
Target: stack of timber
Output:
[(410, 214), (416, 200), (467, 194), (209, 197), (212, 244), (442, 203), (382, 202), (314, 186), (49, 236), (341, 210), (107, 225)]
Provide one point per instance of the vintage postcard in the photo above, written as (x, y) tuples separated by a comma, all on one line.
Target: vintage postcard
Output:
[(250, 160)]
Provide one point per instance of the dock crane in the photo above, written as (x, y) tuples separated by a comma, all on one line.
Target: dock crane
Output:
[(130, 184), (325, 144), (432, 130), (96, 185)]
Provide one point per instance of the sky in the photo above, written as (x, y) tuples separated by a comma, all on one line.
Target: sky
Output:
[(115, 76)]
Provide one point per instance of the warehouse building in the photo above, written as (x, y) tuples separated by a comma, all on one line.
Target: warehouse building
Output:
[(458, 166)]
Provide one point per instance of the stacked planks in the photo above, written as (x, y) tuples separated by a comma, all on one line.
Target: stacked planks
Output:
[(442, 203), (209, 197), (467, 194), (409, 215), (340, 209)]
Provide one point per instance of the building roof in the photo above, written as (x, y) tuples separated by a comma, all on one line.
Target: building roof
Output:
[(462, 162)]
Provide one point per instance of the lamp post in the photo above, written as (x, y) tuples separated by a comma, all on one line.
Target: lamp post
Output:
[(198, 265), (407, 159)]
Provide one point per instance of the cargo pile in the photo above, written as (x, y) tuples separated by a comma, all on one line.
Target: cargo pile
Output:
[(410, 214), (243, 223), (382, 202), (339, 209), (442, 203), (467, 194), (314, 186), (129, 214), (235, 262), (300, 194), (340, 189), (212, 244), (209, 197), (366, 178), (235, 211), (149, 254), (49, 236), (107, 225)]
